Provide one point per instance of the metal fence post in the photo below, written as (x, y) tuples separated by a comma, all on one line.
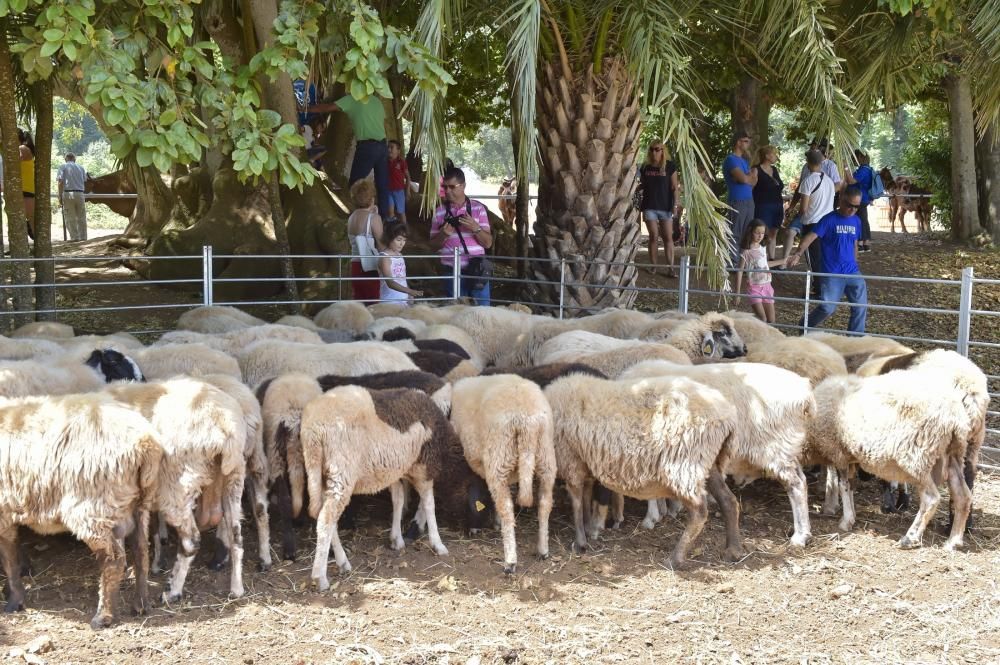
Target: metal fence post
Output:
[(682, 284), (805, 303), (340, 278), (206, 275), (562, 286), (456, 276), (965, 312)]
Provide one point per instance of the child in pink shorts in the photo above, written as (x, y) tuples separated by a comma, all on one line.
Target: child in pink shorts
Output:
[(753, 259)]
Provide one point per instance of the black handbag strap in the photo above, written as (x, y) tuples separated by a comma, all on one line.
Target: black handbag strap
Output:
[(458, 230)]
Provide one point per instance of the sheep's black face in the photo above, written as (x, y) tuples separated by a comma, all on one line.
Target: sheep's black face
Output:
[(115, 366), (479, 505), (728, 343)]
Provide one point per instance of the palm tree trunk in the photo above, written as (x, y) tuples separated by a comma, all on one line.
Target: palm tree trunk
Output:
[(45, 294), (988, 173), (588, 139), (965, 199), (17, 224)]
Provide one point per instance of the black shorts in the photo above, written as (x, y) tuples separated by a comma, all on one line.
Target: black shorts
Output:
[(28, 195)]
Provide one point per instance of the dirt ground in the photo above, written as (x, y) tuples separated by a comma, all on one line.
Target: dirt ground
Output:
[(851, 598)]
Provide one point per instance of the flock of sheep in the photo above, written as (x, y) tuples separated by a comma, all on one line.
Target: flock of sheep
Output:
[(99, 434)]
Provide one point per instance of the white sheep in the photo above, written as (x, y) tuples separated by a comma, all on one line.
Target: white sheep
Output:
[(236, 340), (298, 321), (806, 357), (27, 349), (494, 328), (203, 435), (647, 438), (898, 429), (83, 464), (446, 331), (271, 358), (710, 336), (347, 315), (857, 350), (195, 359), (754, 331), (359, 441), (213, 319), (66, 374), (45, 329), (773, 407), (505, 425)]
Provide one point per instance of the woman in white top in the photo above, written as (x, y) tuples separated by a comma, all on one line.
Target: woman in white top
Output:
[(392, 266), (364, 228)]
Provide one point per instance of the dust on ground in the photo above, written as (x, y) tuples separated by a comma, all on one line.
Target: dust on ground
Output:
[(851, 598)]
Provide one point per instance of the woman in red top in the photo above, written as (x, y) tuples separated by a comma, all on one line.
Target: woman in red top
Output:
[(399, 182)]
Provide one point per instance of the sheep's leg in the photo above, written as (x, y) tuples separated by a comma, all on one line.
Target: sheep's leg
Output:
[(504, 506), (795, 484), (961, 503), (326, 534), (596, 502), (160, 537), (425, 488), (697, 516), (188, 542), (257, 491), (903, 498), (110, 553), (847, 499), (546, 485), (670, 507), (618, 510), (222, 541), (232, 518), (12, 568), (929, 499), (888, 497), (831, 498), (284, 501), (653, 515), (576, 498), (730, 508), (398, 495), (138, 542)]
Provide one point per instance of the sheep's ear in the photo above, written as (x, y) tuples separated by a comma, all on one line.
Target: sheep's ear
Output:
[(94, 361), (708, 345)]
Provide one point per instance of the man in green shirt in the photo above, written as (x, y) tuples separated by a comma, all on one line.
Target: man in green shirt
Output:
[(371, 153)]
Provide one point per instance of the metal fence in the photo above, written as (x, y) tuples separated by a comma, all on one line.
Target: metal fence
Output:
[(83, 287)]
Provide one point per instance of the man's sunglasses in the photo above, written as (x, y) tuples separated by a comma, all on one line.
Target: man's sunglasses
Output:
[(848, 206)]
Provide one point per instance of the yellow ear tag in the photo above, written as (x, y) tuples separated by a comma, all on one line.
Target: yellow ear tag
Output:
[(706, 349), (480, 506)]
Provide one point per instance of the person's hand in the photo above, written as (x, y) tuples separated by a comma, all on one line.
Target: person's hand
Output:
[(447, 229), (416, 294), (468, 223), (793, 259)]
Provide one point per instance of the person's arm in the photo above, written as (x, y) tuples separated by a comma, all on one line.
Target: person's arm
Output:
[(479, 228), (60, 176), (377, 231), (739, 272), (795, 256), (324, 107), (737, 174), (438, 238), (385, 270), (675, 186)]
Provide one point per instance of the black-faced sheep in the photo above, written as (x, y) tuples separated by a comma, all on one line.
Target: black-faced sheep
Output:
[(897, 429), (456, 335), (710, 336), (505, 425), (359, 441), (83, 464), (647, 439), (64, 375), (445, 365)]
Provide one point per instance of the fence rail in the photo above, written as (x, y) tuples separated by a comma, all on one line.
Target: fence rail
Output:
[(207, 282)]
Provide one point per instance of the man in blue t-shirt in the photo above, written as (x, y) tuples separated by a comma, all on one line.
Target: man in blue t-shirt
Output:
[(740, 181), (839, 233), (862, 179)]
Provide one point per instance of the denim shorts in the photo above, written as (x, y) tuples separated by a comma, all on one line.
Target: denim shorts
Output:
[(797, 224), (397, 197), (657, 215)]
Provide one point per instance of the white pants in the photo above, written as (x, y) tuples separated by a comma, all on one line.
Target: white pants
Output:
[(75, 215)]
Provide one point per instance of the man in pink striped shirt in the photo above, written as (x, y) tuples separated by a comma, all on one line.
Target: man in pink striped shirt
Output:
[(461, 220)]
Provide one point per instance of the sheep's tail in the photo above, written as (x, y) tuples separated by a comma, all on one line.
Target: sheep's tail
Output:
[(149, 472), (528, 438), (312, 457), (290, 445)]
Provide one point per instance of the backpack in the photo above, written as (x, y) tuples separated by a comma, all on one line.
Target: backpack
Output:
[(877, 189)]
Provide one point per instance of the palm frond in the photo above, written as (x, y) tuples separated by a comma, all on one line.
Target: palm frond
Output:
[(651, 36), (793, 36), (521, 63), (429, 131), (985, 66)]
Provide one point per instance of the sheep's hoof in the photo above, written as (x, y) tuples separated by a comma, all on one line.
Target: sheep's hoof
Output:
[(648, 523), (830, 511), (543, 556), (398, 544), (412, 532), (345, 568), (617, 524), (101, 621), (801, 540), (593, 534), (288, 554), (954, 544), (236, 593), (734, 554), (264, 566), (321, 584), (440, 550), (509, 568), (13, 606), (579, 548), (903, 503), (169, 598), (907, 543), (679, 563), (845, 526)]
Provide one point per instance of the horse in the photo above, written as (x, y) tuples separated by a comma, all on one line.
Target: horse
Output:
[(508, 207), (116, 182), (906, 197)]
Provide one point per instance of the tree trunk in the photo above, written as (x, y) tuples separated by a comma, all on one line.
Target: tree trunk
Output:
[(45, 296), (750, 106), (588, 138), (988, 179), (17, 225), (965, 199), (153, 205)]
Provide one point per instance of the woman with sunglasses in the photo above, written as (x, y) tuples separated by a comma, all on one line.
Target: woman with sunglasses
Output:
[(658, 183)]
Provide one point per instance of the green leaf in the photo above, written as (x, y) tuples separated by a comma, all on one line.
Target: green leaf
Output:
[(53, 35), (49, 49), (144, 156)]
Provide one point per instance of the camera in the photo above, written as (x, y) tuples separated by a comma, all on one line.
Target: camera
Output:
[(455, 222)]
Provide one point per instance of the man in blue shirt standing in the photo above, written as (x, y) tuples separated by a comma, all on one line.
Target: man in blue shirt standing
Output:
[(863, 178), (838, 233), (740, 181)]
